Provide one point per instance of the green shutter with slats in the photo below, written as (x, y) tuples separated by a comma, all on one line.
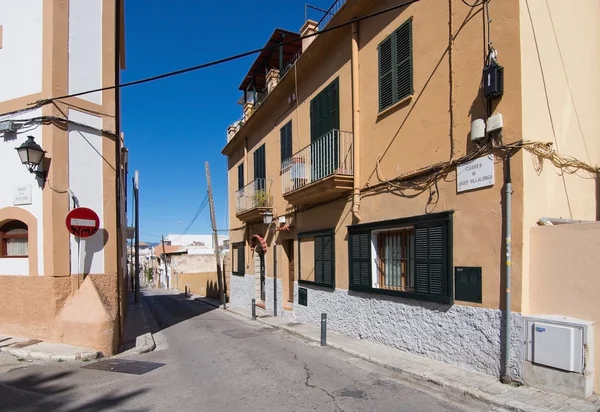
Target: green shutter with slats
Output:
[(286, 141), (241, 259), (360, 259), (431, 259), (395, 66), (241, 176), (324, 260)]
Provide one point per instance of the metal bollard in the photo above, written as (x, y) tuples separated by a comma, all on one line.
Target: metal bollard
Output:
[(323, 329), (185, 293), (253, 309)]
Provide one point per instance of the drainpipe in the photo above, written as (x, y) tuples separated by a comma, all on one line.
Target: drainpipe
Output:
[(355, 124), (549, 221), (507, 275)]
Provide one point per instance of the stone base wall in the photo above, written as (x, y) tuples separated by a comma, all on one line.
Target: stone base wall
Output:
[(464, 336), (270, 293), (44, 308), (242, 290)]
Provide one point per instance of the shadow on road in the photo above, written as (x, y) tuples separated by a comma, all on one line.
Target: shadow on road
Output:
[(52, 392), (171, 309)]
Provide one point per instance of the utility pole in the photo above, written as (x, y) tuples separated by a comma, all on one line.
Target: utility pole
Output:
[(213, 221), (165, 260), (136, 198)]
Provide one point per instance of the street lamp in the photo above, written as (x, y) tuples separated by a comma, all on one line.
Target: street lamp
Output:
[(31, 155), (268, 217)]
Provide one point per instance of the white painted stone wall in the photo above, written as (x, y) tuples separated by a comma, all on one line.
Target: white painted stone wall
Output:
[(86, 183), (465, 336), (242, 290), (21, 52), (85, 48), (14, 173), (270, 293)]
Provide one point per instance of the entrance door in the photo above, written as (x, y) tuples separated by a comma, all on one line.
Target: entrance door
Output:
[(291, 277), (262, 277)]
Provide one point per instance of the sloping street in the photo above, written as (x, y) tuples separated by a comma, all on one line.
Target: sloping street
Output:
[(207, 360)]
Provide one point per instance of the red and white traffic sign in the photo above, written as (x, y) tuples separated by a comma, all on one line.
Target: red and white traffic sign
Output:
[(82, 222)]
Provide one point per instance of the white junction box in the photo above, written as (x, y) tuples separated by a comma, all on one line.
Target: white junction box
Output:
[(556, 346), (494, 123)]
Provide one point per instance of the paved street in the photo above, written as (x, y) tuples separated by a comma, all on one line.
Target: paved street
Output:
[(213, 361)]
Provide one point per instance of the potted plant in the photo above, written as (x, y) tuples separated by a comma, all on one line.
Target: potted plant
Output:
[(262, 198)]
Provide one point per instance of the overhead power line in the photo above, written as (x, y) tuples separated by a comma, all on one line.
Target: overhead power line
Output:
[(226, 59)]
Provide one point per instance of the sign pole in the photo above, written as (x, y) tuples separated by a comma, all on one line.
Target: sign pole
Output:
[(82, 223), (136, 197), (213, 220)]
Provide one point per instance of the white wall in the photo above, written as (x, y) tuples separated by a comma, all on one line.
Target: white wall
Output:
[(186, 240), (21, 52), (14, 173), (86, 184), (85, 48)]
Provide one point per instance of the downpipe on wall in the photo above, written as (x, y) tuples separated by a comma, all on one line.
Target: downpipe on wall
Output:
[(355, 124), (507, 273)]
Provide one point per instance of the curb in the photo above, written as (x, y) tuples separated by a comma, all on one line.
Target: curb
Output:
[(514, 406), (144, 343), (45, 356)]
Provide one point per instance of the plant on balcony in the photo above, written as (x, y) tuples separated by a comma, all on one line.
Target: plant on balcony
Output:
[(262, 198)]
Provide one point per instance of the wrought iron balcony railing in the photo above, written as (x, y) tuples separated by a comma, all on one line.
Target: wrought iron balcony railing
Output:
[(256, 194)]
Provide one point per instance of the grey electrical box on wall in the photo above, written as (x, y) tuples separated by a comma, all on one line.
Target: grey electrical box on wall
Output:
[(467, 284), (493, 81)]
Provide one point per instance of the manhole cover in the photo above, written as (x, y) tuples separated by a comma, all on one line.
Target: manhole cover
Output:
[(124, 366)]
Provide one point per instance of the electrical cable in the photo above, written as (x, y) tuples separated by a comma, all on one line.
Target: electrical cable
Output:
[(473, 5), (60, 120), (197, 213), (43, 102)]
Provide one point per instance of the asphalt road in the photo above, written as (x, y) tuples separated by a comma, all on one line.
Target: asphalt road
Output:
[(214, 361)]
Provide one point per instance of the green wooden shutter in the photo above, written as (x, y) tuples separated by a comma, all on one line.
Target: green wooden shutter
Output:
[(403, 61), (334, 108), (431, 259), (286, 141), (241, 176), (318, 259), (328, 260), (360, 259), (386, 77), (241, 259)]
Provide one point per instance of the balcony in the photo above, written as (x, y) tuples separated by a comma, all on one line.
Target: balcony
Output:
[(321, 171), (253, 200)]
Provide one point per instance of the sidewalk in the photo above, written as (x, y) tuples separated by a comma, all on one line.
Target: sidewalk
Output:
[(137, 336), (479, 386), (31, 349)]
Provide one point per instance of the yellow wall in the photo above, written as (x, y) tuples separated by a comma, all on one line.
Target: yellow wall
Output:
[(413, 134), (560, 43), (565, 275), (203, 284)]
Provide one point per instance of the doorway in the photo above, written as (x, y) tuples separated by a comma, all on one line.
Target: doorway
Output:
[(291, 270)]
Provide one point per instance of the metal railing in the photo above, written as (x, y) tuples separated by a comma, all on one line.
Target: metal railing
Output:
[(330, 154), (331, 11), (255, 194)]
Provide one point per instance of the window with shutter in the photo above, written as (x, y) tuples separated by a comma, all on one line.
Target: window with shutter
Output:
[(324, 258), (396, 66), (412, 257), (286, 141), (260, 168), (241, 176), (238, 260)]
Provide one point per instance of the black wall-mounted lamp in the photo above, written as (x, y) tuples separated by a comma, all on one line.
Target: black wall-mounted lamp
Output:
[(31, 155)]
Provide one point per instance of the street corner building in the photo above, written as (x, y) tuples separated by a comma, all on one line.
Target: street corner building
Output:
[(404, 166), (55, 286)]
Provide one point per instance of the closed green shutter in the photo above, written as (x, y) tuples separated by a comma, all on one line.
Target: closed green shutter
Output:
[(395, 66), (286, 141), (431, 259), (241, 259), (386, 75), (324, 260), (260, 168), (404, 75), (241, 176), (360, 259)]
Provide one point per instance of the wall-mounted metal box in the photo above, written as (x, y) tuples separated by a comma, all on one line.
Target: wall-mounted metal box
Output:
[(467, 284)]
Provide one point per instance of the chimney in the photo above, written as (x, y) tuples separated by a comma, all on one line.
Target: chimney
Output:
[(309, 27), (248, 108), (272, 79)]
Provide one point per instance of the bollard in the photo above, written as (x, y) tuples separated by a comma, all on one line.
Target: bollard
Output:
[(185, 292), (253, 309), (323, 329)]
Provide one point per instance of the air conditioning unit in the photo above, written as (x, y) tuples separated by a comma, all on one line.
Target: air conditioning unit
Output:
[(8, 126)]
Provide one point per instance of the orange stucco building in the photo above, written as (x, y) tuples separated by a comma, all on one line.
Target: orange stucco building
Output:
[(389, 213)]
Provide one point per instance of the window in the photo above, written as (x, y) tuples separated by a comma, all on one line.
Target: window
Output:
[(260, 168), (286, 141), (238, 259), (406, 257), (14, 239), (241, 176), (396, 66), (323, 250), (324, 111)]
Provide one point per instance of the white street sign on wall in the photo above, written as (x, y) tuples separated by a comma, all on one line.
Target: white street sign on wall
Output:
[(22, 195), (475, 174)]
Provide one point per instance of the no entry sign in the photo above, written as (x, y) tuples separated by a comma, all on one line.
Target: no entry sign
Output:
[(82, 222)]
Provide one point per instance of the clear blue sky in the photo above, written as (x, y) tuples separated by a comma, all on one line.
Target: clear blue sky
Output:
[(173, 126)]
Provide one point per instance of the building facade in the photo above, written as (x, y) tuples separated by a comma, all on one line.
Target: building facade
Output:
[(53, 285), (388, 197)]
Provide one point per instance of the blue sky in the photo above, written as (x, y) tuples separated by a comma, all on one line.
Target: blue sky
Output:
[(173, 126)]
